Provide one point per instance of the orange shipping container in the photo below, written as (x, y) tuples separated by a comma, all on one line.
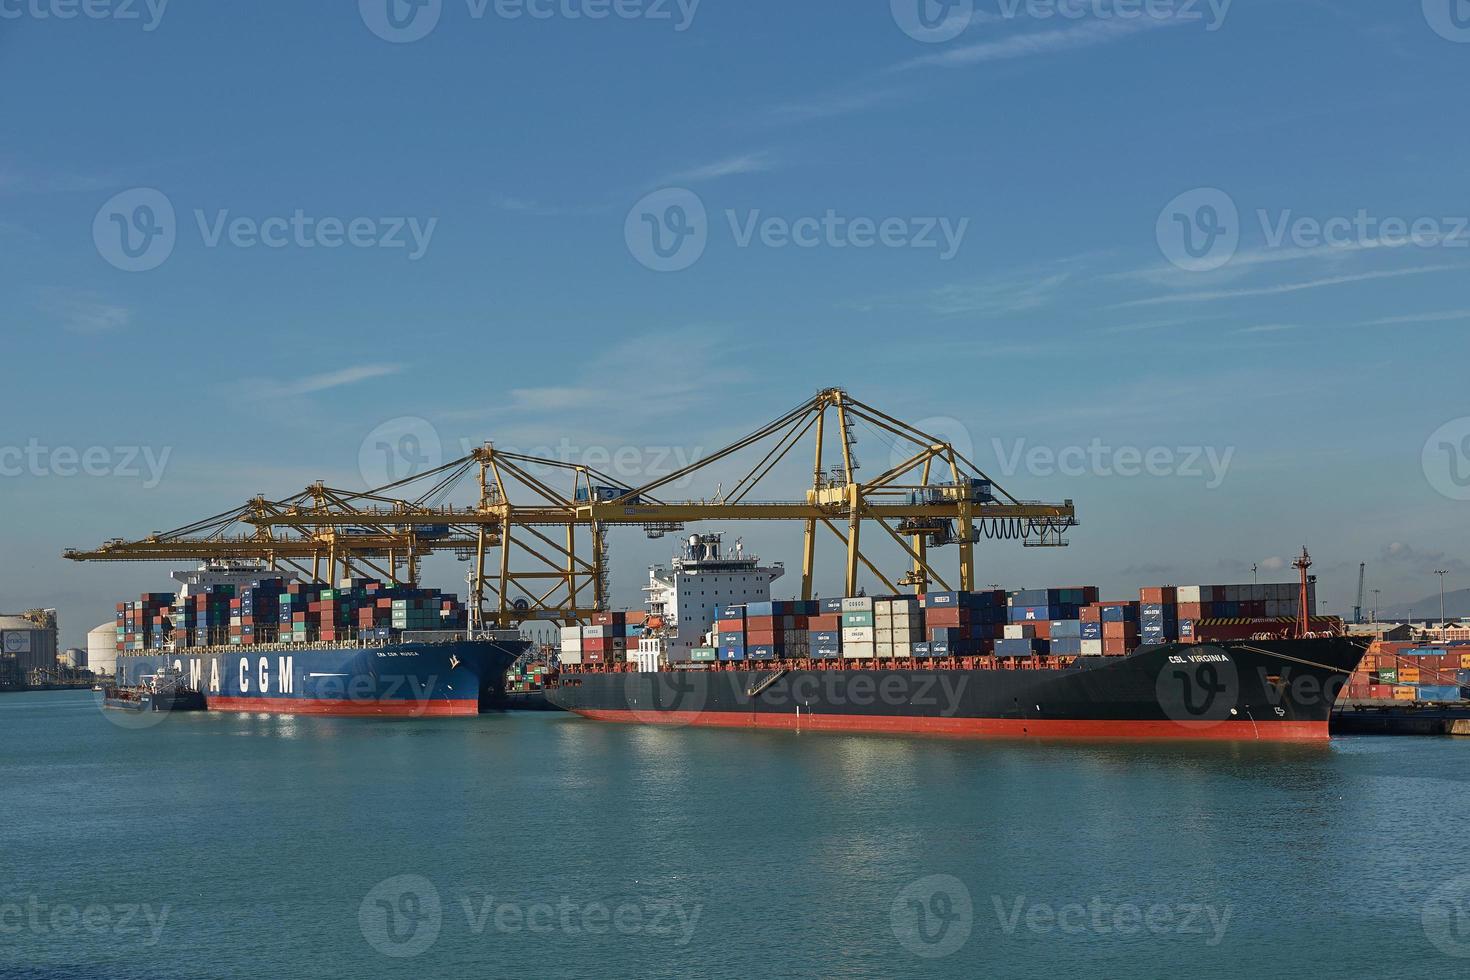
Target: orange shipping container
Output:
[(1405, 693), (1465, 661), (1120, 631), (1167, 595), (1114, 647), (1409, 675)]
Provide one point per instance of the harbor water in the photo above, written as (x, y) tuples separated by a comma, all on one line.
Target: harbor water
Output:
[(544, 845)]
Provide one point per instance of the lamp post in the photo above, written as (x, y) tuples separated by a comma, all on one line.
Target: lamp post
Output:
[(1441, 572)]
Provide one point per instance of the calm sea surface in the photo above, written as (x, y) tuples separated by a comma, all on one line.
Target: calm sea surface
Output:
[(542, 845)]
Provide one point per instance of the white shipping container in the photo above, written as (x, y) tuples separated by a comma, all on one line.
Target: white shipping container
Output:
[(857, 634), (1092, 648), (571, 646), (571, 633), (883, 634), (1019, 631), (906, 604), (573, 657), (594, 632), (1189, 593), (858, 651), (903, 650), (858, 604)]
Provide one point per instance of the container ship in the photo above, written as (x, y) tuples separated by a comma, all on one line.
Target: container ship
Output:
[(1197, 662), (274, 645)]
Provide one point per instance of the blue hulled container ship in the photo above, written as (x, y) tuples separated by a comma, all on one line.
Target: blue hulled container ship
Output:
[(461, 676), (253, 643)]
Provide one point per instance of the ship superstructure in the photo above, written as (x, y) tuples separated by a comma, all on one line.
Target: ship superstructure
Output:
[(685, 598)]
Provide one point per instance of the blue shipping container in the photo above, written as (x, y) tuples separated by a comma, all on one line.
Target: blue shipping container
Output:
[(1066, 628), (1092, 631), (827, 639), (1066, 646), (1439, 693)]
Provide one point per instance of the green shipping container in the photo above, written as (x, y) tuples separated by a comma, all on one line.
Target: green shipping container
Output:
[(856, 619), (702, 654)]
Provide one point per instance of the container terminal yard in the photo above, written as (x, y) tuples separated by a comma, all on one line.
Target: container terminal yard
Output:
[(312, 603)]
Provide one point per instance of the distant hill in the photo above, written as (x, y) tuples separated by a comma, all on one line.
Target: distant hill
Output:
[(1456, 606)]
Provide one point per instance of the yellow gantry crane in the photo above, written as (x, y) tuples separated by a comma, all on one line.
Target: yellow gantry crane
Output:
[(552, 560)]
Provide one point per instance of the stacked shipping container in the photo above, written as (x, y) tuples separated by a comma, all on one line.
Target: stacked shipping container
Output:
[(272, 610), (1408, 672)]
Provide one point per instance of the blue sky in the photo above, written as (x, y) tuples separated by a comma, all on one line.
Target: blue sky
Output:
[(1232, 227)]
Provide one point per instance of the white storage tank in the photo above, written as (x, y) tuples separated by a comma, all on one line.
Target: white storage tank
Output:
[(102, 649)]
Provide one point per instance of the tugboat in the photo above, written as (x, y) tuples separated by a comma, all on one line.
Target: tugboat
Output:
[(163, 691)]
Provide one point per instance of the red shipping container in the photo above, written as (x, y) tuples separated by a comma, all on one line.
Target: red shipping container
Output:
[(730, 626), (1092, 613), (761, 623), (760, 638), (825, 624), (943, 616), (1166, 595), (1120, 631), (1380, 692), (1114, 647), (591, 658), (1043, 628), (1192, 610), (609, 618)]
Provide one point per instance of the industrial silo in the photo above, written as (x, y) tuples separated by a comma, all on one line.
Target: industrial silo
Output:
[(102, 649)]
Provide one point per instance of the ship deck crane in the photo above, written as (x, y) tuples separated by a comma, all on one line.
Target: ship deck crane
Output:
[(551, 537), (1362, 580)]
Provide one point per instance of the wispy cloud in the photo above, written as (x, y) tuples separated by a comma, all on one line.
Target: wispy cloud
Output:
[(839, 104), (20, 182), (1449, 316), (1281, 289), (1269, 328), (522, 205), (745, 163), (81, 313), (332, 379), (1086, 34), (999, 297)]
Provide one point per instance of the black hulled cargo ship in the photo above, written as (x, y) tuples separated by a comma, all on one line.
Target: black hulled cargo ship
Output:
[(1266, 689)]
